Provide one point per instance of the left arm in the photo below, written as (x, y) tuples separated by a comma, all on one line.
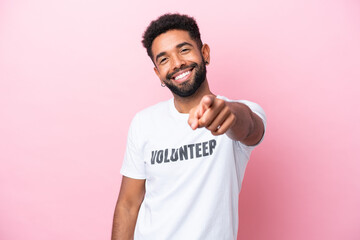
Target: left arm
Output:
[(233, 118), (248, 127)]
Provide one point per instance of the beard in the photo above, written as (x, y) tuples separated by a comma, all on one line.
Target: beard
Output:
[(188, 88)]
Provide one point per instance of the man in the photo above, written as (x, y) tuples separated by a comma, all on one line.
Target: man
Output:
[(185, 158)]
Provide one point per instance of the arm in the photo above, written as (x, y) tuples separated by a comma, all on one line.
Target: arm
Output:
[(233, 118), (127, 208), (248, 127)]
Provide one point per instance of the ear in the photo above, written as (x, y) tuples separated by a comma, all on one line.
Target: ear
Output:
[(205, 51), (157, 71), (158, 74)]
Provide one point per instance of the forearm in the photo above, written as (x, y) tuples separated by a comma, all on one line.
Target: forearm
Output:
[(124, 223), (233, 118), (248, 127)]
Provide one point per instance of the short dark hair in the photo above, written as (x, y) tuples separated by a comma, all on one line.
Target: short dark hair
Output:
[(168, 22)]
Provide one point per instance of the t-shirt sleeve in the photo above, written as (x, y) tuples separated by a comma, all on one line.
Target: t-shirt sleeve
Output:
[(133, 165)]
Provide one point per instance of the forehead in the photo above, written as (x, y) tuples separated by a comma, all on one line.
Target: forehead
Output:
[(169, 40)]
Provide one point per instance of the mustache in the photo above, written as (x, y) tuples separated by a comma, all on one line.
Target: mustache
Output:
[(170, 75)]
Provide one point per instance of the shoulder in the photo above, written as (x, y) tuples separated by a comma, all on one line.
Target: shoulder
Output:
[(144, 120), (156, 108), (153, 112)]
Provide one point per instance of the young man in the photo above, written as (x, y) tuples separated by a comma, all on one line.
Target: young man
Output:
[(185, 158)]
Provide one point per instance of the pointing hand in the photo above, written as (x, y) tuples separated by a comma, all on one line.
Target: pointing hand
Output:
[(212, 113)]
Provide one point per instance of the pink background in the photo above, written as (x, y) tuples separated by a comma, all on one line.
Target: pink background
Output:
[(73, 73)]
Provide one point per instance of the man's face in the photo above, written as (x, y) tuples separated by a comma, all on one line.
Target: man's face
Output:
[(179, 63)]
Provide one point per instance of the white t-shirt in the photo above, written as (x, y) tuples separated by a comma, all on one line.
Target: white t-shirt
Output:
[(193, 179)]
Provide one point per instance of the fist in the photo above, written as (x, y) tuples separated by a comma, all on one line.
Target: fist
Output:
[(212, 113)]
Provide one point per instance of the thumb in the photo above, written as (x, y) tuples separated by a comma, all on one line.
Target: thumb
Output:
[(206, 102)]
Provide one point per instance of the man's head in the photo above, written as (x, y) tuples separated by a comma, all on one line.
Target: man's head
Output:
[(173, 43), (168, 22)]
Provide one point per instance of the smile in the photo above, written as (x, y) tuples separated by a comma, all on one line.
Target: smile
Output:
[(182, 75)]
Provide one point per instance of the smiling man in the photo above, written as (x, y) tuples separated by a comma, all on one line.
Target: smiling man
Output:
[(186, 157)]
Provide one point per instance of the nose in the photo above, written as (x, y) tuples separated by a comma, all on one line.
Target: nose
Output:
[(177, 62)]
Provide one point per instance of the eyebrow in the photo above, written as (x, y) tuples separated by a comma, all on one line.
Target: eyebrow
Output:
[(180, 45)]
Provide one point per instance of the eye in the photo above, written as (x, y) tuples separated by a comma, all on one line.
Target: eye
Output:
[(163, 60), (184, 50)]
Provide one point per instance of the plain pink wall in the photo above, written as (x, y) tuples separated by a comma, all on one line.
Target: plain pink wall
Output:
[(73, 73)]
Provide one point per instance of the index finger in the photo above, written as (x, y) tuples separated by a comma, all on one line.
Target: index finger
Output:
[(194, 116)]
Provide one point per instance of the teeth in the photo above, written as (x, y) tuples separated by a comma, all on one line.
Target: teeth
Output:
[(182, 75)]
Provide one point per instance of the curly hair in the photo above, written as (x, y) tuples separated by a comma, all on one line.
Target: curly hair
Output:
[(168, 22)]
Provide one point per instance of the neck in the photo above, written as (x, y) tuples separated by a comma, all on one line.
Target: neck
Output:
[(184, 104)]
